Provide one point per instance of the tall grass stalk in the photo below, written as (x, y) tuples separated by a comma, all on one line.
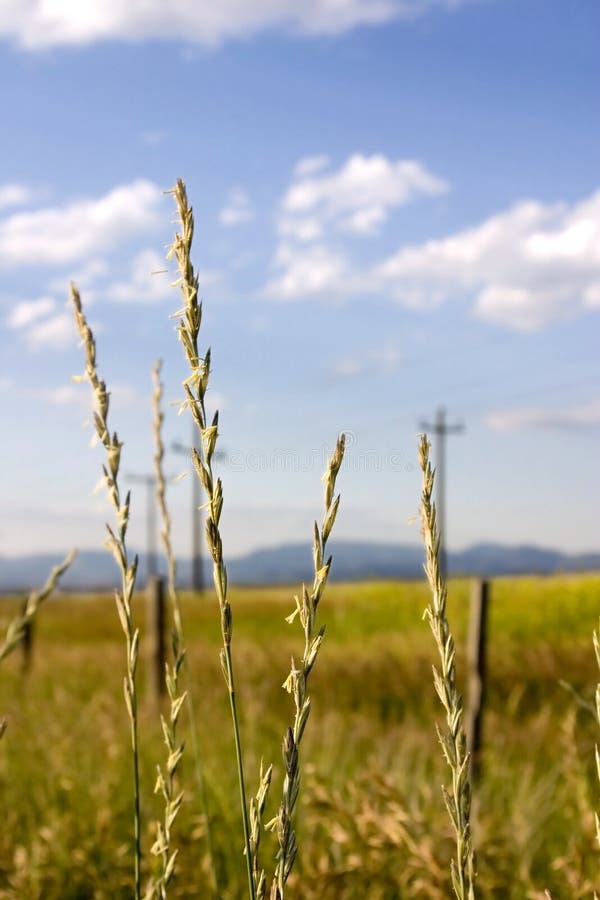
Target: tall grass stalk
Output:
[(597, 710), (166, 782), (116, 543), (296, 683), (195, 386), (16, 628), (453, 741), (179, 656)]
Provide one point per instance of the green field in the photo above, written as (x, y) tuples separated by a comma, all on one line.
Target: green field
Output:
[(372, 822)]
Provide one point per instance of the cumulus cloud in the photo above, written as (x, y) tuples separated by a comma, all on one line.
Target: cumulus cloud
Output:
[(307, 270), (526, 267), (310, 164), (237, 210), (27, 311), (384, 361), (39, 324), (14, 195), (577, 417), (319, 205), (37, 24), (55, 333), (79, 229), (358, 196), (122, 396), (149, 281)]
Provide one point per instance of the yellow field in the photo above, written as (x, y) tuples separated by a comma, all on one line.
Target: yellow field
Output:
[(372, 822)]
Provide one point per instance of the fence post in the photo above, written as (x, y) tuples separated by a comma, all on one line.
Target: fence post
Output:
[(26, 640), (155, 592), (476, 662)]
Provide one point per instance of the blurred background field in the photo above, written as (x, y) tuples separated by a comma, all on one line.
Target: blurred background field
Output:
[(372, 821)]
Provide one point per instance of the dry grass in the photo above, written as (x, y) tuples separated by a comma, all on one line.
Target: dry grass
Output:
[(116, 543), (372, 768), (453, 740)]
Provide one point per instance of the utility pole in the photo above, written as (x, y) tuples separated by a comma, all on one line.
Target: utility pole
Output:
[(440, 429), (197, 570), (197, 573), (150, 482)]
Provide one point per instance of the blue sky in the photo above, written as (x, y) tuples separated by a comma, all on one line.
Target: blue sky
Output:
[(397, 206)]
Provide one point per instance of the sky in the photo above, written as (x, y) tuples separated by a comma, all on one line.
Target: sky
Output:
[(397, 208)]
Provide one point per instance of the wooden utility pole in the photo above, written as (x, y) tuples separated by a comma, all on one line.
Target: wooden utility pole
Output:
[(440, 428), (157, 621), (197, 572), (197, 536), (150, 482), (477, 672)]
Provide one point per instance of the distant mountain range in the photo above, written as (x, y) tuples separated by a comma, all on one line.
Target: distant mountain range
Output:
[(95, 569)]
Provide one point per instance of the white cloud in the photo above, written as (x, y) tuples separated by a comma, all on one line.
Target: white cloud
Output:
[(40, 326), (307, 270), (55, 333), (384, 361), (355, 198), (28, 311), (14, 195), (584, 416), (358, 196), (122, 396), (527, 267), (310, 164), (36, 24), (6, 383), (149, 281), (67, 395), (79, 229), (237, 210)]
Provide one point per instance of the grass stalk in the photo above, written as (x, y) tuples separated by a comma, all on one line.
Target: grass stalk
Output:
[(597, 712), (453, 741), (166, 780), (17, 627), (116, 543), (257, 808), (296, 683), (195, 386)]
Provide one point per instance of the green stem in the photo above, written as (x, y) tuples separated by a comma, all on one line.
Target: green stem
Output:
[(240, 769), (136, 805)]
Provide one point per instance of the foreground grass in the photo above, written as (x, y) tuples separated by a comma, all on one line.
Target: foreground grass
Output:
[(371, 822)]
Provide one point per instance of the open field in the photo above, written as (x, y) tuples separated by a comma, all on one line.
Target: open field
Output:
[(372, 821)]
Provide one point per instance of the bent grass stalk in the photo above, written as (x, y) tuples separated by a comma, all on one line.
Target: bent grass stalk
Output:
[(116, 543), (453, 741), (195, 387), (16, 628), (297, 681)]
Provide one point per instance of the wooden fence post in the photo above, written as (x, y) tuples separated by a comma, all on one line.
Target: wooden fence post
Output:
[(476, 662), (155, 592)]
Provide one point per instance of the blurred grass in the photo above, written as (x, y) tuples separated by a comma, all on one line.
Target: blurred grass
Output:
[(372, 821)]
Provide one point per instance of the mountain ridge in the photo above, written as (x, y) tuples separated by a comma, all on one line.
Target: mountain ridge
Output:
[(353, 560)]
